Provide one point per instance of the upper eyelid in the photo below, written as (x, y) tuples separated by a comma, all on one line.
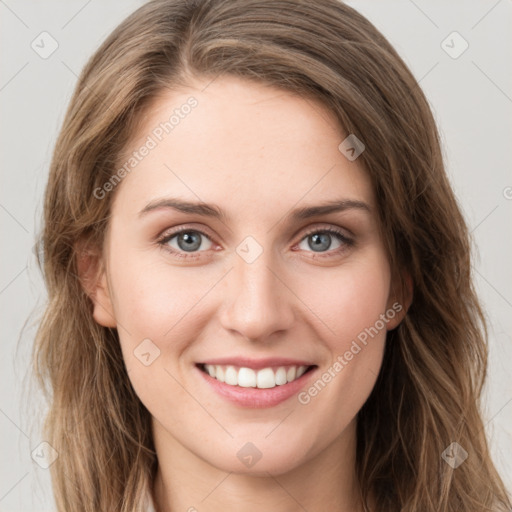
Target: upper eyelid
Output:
[(167, 234), (327, 228)]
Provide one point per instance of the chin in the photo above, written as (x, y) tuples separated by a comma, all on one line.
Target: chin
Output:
[(257, 460)]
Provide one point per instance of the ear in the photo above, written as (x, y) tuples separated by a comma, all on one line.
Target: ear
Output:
[(93, 279), (400, 299)]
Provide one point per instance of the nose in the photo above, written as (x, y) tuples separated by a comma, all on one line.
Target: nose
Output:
[(258, 301)]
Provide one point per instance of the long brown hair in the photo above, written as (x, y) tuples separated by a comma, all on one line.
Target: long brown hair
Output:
[(428, 392)]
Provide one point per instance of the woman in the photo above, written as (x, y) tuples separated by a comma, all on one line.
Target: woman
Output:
[(259, 278)]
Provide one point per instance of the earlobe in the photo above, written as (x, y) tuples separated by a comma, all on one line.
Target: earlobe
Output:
[(93, 280), (398, 307), (103, 311)]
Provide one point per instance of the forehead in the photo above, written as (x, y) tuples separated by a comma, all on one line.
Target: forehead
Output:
[(241, 144)]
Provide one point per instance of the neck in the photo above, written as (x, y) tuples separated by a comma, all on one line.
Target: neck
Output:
[(185, 482)]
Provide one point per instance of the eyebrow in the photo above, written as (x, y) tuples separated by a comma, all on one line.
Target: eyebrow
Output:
[(213, 211)]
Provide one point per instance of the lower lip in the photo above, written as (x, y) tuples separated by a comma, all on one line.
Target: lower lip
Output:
[(255, 397)]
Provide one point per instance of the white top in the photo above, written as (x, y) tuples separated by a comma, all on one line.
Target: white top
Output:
[(149, 504)]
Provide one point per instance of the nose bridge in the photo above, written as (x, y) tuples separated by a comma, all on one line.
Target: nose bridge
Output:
[(257, 302)]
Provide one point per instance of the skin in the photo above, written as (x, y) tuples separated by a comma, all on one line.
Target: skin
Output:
[(256, 152)]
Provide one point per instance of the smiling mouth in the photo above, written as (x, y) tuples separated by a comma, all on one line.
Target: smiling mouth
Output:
[(263, 378)]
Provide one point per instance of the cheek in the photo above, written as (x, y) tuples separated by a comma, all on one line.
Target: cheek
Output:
[(349, 298), (155, 310), (159, 303), (151, 298), (349, 302)]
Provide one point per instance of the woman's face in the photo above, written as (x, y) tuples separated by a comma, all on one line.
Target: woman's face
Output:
[(255, 286)]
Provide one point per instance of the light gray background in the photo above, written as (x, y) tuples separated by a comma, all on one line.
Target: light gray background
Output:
[(471, 97)]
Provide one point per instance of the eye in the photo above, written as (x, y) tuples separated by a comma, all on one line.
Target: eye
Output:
[(185, 240), (321, 240)]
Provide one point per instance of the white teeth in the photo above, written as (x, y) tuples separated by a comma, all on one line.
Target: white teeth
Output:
[(219, 373), (300, 371), (231, 376), (249, 378), (266, 378), (280, 376)]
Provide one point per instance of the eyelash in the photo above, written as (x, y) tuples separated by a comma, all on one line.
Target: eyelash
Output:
[(347, 242)]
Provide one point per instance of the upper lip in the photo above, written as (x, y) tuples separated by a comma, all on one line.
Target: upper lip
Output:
[(256, 364)]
